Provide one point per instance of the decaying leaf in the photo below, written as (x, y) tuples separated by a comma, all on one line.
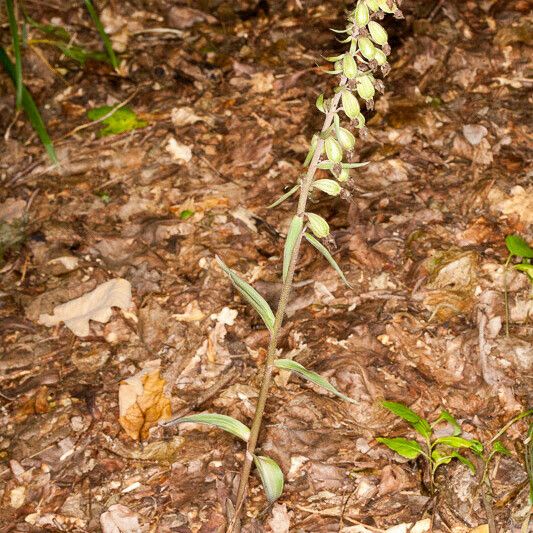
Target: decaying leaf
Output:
[(142, 402), (119, 519), (95, 305)]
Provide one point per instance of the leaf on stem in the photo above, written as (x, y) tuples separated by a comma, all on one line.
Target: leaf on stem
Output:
[(250, 295), (465, 461), (499, 447), (271, 477), (293, 235), (460, 442), (447, 417), (318, 225), (410, 449), (518, 246), (325, 252), (330, 187), (313, 377), (281, 199), (227, 423), (421, 425)]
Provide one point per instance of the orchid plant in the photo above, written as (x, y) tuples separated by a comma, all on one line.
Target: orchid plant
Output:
[(357, 74)]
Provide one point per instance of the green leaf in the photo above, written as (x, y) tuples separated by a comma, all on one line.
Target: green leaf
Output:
[(440, 458), (74, 52), (227, 423), (103, 35), (123, 119), (527, 268), (318, 225), (518, 246), (355, 165), (410, 449), (30, 109), (330, 187), (250, 295), (281, 199), (186, 214), (465, 461), (421, 425), (14, 29), (459, 442), (499, 447), (325, 252), (49, 29), (447, 417), (293, 235), (313, 377), (271, 477), (320, 103)]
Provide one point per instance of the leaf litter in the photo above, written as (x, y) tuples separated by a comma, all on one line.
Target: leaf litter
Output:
[(421, 240)]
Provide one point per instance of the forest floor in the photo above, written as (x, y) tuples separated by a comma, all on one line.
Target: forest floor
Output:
[(227, 99)]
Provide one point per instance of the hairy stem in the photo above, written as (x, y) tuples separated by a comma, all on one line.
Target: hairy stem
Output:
[(280, 313)]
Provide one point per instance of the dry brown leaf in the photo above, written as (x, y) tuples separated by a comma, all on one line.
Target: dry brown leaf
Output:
[(95, 305), (119, 519), (142, 402)]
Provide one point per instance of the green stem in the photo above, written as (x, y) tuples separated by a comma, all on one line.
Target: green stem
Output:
[(280, 314), (518, 417)]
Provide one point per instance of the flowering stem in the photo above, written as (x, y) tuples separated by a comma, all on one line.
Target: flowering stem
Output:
[(280, 313)]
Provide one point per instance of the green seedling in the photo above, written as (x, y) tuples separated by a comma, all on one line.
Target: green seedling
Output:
[(436, 451), (356, 70), (517, 248), (120, 120), (186, 214)]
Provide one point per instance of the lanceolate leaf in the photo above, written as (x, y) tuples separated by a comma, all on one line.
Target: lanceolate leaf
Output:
[(293, 235), (30, 108), (518, 246), (227, 423), (524, 267), (284, 197), (325, 252), (317, 379), (465, 461), (419, 424), (271, 477), (410, 449), (447, 417), (250, 295), (459, 442)]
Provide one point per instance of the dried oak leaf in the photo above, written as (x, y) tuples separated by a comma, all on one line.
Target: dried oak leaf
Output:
[(95, 305), (119, 519), (142, 403)]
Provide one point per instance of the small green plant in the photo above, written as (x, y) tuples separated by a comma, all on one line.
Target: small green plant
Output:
[(62, 41), (436, 451), (357, 71), (117, 120), (517, 248)]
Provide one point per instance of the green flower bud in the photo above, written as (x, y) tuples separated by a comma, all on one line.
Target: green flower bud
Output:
[(349, 67), (372, 5), (384, 6), (346, 138), (330, 187), (379, 57), (333, 150), (344, 175), (318, 225), (350, 104), (361, 15), (367, 48), (365, 88), (377, 32)]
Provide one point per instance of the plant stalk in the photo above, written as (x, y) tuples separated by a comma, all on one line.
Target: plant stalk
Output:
[(280, 313)]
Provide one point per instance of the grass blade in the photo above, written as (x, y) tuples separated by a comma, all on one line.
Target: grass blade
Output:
[(103, 35), (14, 28), (227, 423), (325, 252), (29, 106)]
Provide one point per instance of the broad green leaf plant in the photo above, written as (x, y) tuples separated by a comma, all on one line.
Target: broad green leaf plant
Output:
[(357, 72)]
